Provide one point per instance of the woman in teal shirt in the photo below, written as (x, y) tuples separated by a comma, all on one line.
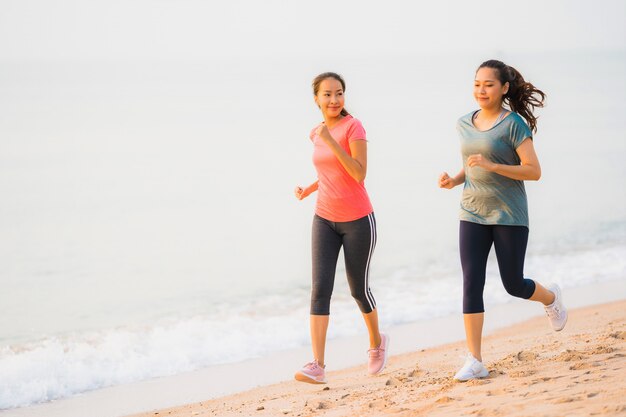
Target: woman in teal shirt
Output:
[(498, 156)]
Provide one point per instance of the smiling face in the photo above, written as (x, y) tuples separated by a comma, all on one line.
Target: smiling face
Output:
[(330, 98), (488, 90)]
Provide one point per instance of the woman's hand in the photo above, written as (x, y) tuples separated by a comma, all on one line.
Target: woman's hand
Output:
[(323, 132), (445, 181), (299, 192), (302, 193), (528, 169), (478, 160)]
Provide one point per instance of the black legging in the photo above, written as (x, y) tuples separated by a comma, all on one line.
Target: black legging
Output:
[(358, 238), (475, 242)]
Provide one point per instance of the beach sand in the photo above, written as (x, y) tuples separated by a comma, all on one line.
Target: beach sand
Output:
[(534, 371)]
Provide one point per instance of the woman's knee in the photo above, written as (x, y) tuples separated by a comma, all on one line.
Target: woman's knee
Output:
[(366, 306), (521, 288), (364, 300), (473, 302), (320, 305), (473, 287), (320, 299)]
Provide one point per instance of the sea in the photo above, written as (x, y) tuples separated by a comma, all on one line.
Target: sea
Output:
[(149, 227)]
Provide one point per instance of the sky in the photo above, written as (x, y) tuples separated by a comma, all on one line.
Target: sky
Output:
[(209, 30)]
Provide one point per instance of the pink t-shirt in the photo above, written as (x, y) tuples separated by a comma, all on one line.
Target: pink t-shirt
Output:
[(340, 197)]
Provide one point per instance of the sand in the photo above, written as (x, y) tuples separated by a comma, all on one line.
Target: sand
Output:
[(534, 371)]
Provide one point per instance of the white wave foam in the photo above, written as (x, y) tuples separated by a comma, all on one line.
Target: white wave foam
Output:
[(62, 366)]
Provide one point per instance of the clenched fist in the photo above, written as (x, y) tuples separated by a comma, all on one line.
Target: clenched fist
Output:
[(478, 160)]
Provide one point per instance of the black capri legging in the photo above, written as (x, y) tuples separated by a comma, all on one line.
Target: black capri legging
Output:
[(358, 238), (475, 242)]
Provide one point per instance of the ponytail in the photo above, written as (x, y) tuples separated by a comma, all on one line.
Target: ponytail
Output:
[(522, 97)]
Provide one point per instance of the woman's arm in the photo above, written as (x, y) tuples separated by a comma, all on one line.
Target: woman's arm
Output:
[(355, 165), (529, 168), (304, 192), (445, 181)]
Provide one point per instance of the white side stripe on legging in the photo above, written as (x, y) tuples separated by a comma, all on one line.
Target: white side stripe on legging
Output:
[(368, 293)]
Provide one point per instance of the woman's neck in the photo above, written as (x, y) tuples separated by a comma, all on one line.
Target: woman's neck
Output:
[(489, 112), (332, 121)]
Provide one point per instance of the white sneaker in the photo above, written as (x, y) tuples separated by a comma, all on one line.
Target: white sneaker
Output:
[(557, 313), (472, 369)]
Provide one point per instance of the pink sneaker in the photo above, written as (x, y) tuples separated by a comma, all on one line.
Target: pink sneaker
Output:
[(378, 356), (312, 373)]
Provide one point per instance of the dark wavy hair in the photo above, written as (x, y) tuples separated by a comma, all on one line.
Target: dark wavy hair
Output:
[(522, 97), (325, 75)]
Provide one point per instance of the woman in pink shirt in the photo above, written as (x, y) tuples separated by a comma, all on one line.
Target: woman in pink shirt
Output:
[(343, 218)]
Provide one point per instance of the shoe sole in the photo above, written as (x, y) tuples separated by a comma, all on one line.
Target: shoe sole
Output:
[(385, 358), (474, 377), (302, 377)]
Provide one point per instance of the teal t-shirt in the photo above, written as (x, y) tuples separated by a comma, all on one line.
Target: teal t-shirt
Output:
[(490, 198)]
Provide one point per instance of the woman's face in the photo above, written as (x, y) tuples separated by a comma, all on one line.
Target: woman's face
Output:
[(330, 98), (488, 90)]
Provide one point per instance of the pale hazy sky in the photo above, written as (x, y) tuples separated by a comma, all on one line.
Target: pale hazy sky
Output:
[(206, 29)]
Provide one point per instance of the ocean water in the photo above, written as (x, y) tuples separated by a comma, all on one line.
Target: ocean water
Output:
[(149, 225)]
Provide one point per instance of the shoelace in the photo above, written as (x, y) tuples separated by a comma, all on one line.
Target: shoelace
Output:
[(312, 365), (553, 312)]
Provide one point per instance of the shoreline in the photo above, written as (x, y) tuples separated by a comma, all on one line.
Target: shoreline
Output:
[(229, 381), (533, 371)]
